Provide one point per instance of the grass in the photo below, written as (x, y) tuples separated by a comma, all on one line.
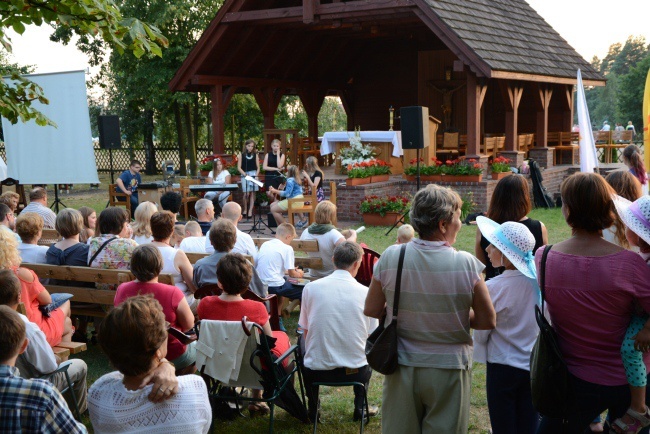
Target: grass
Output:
[(337, 403)]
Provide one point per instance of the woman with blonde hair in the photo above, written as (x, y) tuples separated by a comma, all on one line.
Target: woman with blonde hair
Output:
[(58, 326), (628, 186), (292, 190), (142, 225), (314, 177), (29, 227), (89, 216), (273, 165), (11, 199)]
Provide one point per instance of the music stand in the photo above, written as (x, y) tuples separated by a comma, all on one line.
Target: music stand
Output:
[(259, 222)]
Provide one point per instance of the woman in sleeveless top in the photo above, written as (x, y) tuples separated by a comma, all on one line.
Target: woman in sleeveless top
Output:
[(510, 202), (314, 177), (175, 262), (248, 164), (273, 165)]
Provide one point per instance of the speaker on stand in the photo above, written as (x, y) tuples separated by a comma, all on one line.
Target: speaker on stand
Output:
[(415, 135), (109, 137)]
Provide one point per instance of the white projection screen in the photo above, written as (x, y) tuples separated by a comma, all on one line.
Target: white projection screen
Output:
[(49, 155)]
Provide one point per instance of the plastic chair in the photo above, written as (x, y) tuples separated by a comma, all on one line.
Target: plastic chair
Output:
[(368, 260)]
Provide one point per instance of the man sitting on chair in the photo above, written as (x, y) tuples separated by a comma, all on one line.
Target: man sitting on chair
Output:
[(128, 183), (38, 204), (244, 244), (204, 214), (335, 329)]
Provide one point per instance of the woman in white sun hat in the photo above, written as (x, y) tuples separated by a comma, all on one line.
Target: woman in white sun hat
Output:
[(507, 348), (636, 217)]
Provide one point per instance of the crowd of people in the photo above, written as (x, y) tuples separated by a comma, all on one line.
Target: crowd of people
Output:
[(454, 308)]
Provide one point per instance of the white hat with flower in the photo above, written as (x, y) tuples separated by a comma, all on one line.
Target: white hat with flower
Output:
[(635, 215), (513, 240)]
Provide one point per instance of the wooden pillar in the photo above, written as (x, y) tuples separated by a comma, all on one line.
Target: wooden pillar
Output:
[(312, 101), (268, 99), (347, 101), (542, 101), (511, 92), (476, 89), (567, 115), (220, 97)]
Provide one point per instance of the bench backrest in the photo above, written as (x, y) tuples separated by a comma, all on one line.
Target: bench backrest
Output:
[(297, 245), (87, 274)]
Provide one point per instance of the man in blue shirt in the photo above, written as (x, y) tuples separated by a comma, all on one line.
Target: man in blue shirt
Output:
[(128, 183)]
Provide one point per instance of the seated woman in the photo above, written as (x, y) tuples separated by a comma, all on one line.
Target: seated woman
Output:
[(142, 224), (11, 199), (175, 262), (90, 223), (292, 190), (57, 327), (219, 175), (134, 337), (29, 226), (146, 265), (234, 273), (112, 249), (327, 236)]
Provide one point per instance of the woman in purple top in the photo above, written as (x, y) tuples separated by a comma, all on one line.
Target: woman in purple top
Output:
[(591, 286)]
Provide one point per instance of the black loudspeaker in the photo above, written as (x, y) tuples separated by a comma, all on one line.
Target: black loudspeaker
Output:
[(415, 127), (109, 132)]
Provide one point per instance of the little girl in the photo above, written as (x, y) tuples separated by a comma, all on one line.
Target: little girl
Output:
[(314, 177), (507, 348), (633, 159), (248, 164), (219, 175), (636, 216), (292, 190)]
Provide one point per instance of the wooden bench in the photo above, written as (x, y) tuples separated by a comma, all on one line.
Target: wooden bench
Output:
[(103, 297), (63, 349), (49, 237)]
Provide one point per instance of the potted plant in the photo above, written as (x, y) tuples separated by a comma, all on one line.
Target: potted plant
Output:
[(379, 169), (500, 168), (383, 211), (432, 172), (206, 165), (358, 174), (462, 170), (411, 172)]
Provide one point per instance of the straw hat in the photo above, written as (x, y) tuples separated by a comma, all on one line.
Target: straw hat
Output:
[(635, 215), (513, 240)]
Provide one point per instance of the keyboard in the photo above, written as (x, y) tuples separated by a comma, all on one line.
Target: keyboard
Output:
[(213, 187)]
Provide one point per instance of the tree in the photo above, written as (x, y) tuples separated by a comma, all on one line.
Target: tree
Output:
[(630, 98), (92, 18)]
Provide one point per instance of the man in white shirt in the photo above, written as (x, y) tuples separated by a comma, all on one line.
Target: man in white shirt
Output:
[(38, 204), (244, 244), (335, 329), (276, 258), (39, 359), (605, 127), (194, 241)]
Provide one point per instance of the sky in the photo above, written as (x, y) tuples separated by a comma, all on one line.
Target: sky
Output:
[(590, 26)]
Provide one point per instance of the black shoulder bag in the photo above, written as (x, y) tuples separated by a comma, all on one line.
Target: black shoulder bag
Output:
[(549, 376), (381, 346)]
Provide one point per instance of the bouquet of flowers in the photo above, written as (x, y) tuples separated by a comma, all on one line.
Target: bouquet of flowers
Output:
[(359, 170), (357, 152), (383, 205)]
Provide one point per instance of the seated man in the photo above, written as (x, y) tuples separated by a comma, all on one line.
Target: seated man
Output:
[(330, 305), (8, 220), (204, 214), (276, 259), (128, 183), (222, 235), (38, 204), (27, 405), (194, 241), (39, 359), (244, 244)]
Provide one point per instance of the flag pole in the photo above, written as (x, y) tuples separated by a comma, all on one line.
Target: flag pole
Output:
[(646, 122)]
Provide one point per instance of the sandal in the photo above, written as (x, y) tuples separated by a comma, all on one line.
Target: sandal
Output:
[(631, 423), (258, 408)]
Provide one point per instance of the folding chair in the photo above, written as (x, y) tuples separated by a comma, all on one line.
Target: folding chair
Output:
[(63, 368), (364, 275), (255, 367), (364, 409)]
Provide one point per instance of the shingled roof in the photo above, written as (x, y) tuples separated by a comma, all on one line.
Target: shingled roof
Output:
[(509, 35)]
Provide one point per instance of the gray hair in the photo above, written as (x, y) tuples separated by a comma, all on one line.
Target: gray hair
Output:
[(431, 205), (346, 254), (202, 205)]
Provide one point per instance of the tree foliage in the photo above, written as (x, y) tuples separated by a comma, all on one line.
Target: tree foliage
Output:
[(94, 19)]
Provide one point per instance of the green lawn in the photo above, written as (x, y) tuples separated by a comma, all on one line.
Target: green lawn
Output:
[(336, 402)]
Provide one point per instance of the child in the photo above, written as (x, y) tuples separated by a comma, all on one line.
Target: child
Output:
[(636, 216), (507, 348), (292, 190), (405, 233), (314, 177), (178, 236), (194, 241), (248, 164), (275, 259), (634, 160)]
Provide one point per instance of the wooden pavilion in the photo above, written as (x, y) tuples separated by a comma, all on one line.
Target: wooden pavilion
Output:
[(482, 65)]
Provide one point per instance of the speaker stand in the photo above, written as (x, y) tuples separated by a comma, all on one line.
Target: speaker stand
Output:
[(57, 201), (110, 159), (417, 180)]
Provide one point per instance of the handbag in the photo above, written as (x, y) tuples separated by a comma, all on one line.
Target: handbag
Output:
[(549, 376), (381, 346)]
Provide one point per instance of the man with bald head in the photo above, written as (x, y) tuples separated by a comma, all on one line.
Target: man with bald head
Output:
[(244, 244)]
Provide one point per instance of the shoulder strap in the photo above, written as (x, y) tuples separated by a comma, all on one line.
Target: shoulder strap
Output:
[(398, 282), (542, 278), (100, 249)]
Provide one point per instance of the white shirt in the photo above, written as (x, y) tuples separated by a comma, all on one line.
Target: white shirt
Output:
[(114, 409), (38, 354), (221, 177), (33, 253), (193, 244), (514, 297), (141, 239), (332, 313), (273, 260), (49, 218), (243, 245), (326, 244)]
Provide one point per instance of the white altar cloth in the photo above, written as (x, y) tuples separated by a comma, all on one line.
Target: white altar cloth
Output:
[(395, 137)]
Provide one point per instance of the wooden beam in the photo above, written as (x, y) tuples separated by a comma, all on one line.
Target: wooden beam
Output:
[(268, 100), (511, 92), (254, 53), (216, 116), (308, 10), (543, 100), (506, 75), (214, 80)]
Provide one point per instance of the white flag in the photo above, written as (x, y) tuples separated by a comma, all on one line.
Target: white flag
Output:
[(588, 156)]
